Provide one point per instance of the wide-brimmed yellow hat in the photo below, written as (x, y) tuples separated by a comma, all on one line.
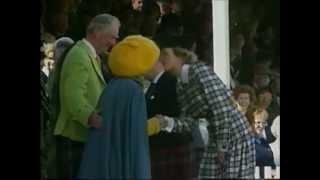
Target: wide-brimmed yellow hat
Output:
[(133, 56)]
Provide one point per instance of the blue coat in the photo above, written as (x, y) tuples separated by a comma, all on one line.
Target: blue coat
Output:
[(120, 149)]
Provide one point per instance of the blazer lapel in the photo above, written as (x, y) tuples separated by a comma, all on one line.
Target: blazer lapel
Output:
[(94, 62), (97, 68)]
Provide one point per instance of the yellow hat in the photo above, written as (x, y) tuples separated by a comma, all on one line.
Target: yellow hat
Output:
[(133, 56)]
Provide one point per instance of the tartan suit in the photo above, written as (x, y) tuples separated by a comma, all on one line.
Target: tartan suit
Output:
[(205, 96)]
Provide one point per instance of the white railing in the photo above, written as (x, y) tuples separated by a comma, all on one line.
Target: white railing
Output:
[(267, 173)]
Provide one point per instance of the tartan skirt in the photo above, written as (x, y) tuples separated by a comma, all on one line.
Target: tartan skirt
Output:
[(240, 163), (171, 163)]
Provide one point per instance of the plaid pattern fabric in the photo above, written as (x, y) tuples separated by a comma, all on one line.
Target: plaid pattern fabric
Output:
[(44, 126), (171, 163), (69, 154), (205, 96)]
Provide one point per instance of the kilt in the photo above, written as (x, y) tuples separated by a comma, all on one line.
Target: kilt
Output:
[(69, 154), (171, 163)]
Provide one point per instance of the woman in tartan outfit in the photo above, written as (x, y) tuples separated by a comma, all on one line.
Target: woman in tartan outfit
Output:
[(230, 152)]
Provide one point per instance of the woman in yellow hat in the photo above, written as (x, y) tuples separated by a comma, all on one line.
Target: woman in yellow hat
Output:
[(120, 149)]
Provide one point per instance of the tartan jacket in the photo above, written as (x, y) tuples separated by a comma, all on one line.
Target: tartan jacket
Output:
[(205, 96)]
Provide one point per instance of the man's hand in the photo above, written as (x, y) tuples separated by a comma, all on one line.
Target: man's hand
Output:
[(95, 120)]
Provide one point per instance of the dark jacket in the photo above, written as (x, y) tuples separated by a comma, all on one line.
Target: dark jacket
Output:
[(264, 154), (161, 98)]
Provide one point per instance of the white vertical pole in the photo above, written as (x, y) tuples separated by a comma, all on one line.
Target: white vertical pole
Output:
[(220, 14)]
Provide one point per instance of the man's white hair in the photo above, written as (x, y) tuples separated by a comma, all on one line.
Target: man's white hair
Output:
[(102, 23)]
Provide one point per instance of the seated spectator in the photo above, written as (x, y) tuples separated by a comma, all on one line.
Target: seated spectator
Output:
[(245, 98), (48, 61), (264, 99), (261, 78), (264, 154)]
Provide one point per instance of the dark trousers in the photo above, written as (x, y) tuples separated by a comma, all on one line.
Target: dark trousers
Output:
[(69, 154)]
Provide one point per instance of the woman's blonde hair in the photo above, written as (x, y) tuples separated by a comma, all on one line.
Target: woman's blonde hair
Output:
[(187, 56), (263, 114)]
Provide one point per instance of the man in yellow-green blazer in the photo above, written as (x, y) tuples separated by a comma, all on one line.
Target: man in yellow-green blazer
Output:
[(80, 85)]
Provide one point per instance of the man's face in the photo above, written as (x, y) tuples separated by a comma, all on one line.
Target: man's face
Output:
[(105, 40), (265, 99)]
